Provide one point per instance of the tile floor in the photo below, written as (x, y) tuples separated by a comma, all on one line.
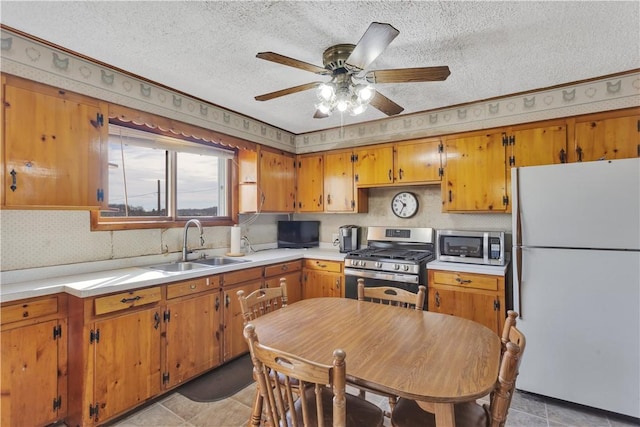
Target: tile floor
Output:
[(175, 410)]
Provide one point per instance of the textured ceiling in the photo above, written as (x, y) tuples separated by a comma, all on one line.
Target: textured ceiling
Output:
[(207, 49)]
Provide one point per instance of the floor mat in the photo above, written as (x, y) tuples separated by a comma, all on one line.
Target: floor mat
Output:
[(220, 383)]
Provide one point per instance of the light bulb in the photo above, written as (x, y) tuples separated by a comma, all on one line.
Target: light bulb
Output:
[(324, 108), (365, 93), (325, 92), (358, 109), (342, 105)]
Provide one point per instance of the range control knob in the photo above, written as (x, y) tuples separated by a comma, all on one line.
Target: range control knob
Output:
[(363, 263), (378, 264), (396, 266), (406, 268)]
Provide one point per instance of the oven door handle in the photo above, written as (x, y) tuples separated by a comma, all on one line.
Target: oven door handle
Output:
[(394, 277)]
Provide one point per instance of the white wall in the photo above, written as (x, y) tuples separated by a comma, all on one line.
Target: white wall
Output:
[(41, 238)]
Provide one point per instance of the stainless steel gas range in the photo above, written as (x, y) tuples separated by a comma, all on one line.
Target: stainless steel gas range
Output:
[(395, 257)]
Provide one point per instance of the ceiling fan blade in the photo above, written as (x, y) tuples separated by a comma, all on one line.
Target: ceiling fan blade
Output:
[(320, 115), (385, 105), (373, 42), (287, 91), (285, 60), (408, 75)]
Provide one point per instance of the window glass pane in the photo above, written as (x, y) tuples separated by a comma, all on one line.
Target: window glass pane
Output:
[(137, 180), (200, 185)]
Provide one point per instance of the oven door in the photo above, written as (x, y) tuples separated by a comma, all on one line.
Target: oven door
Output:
[(408, 282)]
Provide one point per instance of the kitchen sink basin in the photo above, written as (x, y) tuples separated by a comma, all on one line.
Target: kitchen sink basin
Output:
[(176, 267), (219, 260)]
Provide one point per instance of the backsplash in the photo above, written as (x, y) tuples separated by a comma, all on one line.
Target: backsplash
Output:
[(42, 238)]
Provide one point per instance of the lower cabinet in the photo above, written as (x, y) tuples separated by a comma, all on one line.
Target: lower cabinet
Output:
[(193, 340), (292, 272), (477, 297), (322, 278), (247, 280), (33, 382)]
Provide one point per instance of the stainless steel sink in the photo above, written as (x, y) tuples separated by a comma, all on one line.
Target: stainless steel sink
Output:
[(216, 261), (178, 266), (219, 260)]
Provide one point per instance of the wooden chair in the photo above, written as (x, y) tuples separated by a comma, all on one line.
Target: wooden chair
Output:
[(390, 296), (254, 305), (262, 301), (323, 403), (470, 414)]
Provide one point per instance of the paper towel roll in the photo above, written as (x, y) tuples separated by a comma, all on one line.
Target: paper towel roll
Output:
[(235, 239)]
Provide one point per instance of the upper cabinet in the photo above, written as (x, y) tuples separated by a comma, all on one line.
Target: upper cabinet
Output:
[(267, 181), (606, 136), (475, 175), (54, 147), (340, 192), (403, 163), (310, 183)]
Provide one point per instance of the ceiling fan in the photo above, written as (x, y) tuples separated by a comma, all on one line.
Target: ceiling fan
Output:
[(350, 88)]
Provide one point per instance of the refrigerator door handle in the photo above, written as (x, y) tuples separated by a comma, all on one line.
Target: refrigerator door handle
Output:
[(517, 300)]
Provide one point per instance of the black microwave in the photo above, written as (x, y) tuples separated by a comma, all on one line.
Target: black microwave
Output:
[(473, 247)]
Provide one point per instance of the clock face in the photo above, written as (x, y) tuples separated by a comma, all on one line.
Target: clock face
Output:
[(404, 204)]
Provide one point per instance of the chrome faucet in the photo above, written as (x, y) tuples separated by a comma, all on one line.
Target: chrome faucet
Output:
[(184, 237)]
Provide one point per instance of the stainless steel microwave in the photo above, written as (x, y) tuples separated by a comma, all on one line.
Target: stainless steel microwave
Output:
[(473, 247)]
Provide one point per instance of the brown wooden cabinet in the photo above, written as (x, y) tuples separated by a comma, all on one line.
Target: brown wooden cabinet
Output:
[(247, 280), (292, 272), (117, 352), (54, 147), (193, 341), (310, 183), (475, 173), (373, 165), (339, 188), (274, 188), (322, 278), (477, 297), (33, 361), (418, 161), (606, 136)]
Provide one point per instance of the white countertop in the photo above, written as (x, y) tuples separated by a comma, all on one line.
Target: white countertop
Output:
[(494, 270), (103, 281)]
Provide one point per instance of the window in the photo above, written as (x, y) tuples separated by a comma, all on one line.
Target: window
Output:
[(154, 178)]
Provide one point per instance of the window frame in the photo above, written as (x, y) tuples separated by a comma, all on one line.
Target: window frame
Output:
[(99, 223)]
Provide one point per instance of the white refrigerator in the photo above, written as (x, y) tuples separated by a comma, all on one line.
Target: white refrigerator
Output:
[(576, 267)]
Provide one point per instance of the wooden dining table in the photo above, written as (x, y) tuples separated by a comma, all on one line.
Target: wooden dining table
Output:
[(435, 359)]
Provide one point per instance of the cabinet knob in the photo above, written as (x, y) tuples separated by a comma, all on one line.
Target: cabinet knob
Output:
[(437, 299)]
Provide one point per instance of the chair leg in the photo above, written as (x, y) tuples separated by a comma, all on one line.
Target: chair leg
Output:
[(256, 411), (392, 403), (362, 394)]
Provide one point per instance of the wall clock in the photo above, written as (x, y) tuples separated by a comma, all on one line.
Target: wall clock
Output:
[(404, 204)]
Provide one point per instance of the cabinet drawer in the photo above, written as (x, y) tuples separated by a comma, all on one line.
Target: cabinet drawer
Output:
[(320, 264), (29, 310), (279, 269), (127, 300), (242, 276), (190, 287), (466, 280)]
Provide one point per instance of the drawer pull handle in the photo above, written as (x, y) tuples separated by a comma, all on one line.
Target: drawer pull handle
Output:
[(437, 299), (156, 318), (321, 265), (128, 300), (459, 280), (284, 267), (192, 286)]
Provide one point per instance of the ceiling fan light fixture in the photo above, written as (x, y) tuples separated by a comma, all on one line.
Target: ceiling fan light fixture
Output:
[(365, 92), (324, 108), (358, 109)]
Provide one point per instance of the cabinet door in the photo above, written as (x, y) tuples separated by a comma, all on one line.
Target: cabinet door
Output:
[(538, 146), (612, 138), (31, 365), (309, 178), (338, 182), (418, 161), (127, 362), (234, 342), (479, 307), (475, 174), (294, 285), (193, 337), (54, 150), (373, 165), (276, 182), (320, 284)]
